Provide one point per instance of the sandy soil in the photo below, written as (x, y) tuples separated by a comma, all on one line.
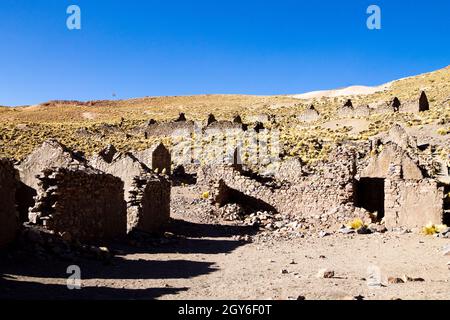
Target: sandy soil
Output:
[(209, 262)]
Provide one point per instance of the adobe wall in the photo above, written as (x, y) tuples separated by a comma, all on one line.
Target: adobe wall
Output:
[(83, 202)]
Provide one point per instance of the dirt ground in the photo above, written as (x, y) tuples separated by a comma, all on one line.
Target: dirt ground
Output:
[(208, 261)]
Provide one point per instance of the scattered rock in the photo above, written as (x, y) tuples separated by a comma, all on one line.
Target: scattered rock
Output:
[(325, 273), (406, 278), (394, 280), (363, 230), (323, 234), (284, 271), (346, 230)]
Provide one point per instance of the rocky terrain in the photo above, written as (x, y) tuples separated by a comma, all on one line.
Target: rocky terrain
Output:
[(338, 194)]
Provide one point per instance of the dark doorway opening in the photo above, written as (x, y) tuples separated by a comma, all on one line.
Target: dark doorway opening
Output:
[(24, 200), (370, 195), (446, 205)]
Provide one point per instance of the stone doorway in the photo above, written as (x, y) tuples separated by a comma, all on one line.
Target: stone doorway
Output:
[(370, 195)]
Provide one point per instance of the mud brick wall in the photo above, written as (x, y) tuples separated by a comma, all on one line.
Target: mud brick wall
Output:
[(85, 203), (149, 204), (9, 220), (413, 203)]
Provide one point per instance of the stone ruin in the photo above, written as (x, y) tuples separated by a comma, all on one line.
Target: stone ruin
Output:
[(390, 185), (423, 102), (181, 117), (259, 126), (398, 135), (157, 158), (50, 154), (166, 128), (309, 115), (396, 104), (149, 204), (80, 203), (140, 184), (237, 119), (122, 165), (76, 201), (211, 119), (348, 104), (394, 186), (304, 194), (346, 110), (9, 219)]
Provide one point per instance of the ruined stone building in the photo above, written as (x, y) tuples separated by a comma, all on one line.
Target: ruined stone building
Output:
[(147, 195), (50, 154), (423, 102), (80, 203), (390, 184), (306, 195), (396, 104), (394, 186), (309, 115), (149, 204), (156, 158), (9, 219)]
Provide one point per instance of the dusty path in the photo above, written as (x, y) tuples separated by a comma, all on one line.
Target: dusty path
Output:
[(211, 264)]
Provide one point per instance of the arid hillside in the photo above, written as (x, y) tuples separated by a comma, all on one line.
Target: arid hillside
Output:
[(89, 126)]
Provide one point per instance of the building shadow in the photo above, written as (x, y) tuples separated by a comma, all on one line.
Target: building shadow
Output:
[(21, 290), (200, 230), (118, 268)]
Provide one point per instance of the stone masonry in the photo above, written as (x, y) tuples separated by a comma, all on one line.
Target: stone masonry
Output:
[(413, 203), (149, 204), (147, 194), (9, 222), (50, 154), (156, 158), (80, 203), (122, 165), (330, 186)]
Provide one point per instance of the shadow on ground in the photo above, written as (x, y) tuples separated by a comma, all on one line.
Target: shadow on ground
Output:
[(195, 238), (21, 290)]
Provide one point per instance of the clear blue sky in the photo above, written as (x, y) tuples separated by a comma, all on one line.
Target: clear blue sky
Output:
[(138, 48)]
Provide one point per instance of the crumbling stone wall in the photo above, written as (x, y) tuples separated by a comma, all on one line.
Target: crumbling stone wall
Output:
[(149, 204), (9, 220), (168, 128), (309, 115), (50, 154), (156, 157), (80, 203), (393, 161), (413, 203), (330, 186), (122, 165)]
